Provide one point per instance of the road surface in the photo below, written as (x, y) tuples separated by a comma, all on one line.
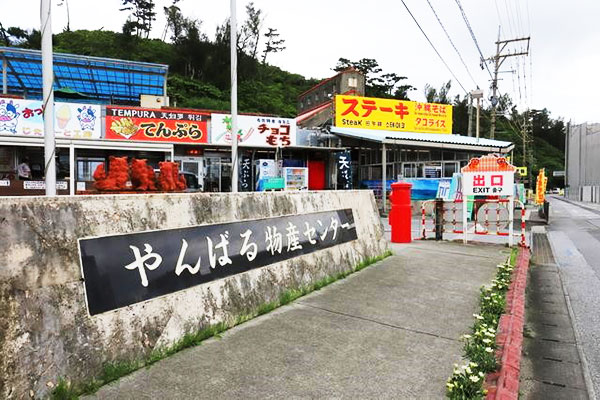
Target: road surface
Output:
[(574, 234)]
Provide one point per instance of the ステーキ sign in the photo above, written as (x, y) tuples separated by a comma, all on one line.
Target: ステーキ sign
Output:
[(71, 120), (488, 176), (127, 123), (125, 269), (254, 130), (391, 114)]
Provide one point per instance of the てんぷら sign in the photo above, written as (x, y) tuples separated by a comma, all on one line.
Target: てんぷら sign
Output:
[(155, 125)]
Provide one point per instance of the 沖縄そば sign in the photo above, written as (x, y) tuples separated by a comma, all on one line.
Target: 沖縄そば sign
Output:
[(124, 269), (392, 115), (254, 130), (71, 120), (127, 123)]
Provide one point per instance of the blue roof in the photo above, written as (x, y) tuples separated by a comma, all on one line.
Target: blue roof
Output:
[(98, 78)]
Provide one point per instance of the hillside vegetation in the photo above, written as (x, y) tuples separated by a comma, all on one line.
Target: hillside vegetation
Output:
[(199, 77)]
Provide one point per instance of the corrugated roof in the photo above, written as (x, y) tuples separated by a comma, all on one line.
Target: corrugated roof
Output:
[(95, 77), (425, 139)]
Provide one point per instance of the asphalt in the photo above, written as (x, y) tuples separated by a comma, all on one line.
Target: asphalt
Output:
[(388, 331), (574, 234), (551, 367)]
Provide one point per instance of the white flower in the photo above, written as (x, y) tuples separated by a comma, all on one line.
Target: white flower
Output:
[(489, 349), (478, 316), (474, 378), (468, 370), (472, 364), (486, 341), (466, 336), (481, 374)]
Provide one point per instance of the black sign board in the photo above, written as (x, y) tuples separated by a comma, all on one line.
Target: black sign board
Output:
[(125, 269), (344, 171), (246, 174)]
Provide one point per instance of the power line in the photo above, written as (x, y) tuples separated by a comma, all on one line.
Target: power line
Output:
[(452, 43), (437, 52), (472, 36)]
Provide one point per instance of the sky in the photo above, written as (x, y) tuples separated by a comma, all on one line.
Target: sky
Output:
[(560, 73)]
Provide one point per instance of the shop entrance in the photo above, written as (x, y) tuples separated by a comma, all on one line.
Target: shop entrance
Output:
[(218, 173), (193, 169)]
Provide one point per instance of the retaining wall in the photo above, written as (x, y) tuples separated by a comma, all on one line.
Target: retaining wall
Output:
[(46, 331)]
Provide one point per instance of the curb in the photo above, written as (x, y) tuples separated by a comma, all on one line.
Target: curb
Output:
[(504, 384)]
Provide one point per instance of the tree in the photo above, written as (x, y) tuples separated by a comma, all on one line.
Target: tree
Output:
[(141, 18), (273, 44), (251, 30), (432, 95)]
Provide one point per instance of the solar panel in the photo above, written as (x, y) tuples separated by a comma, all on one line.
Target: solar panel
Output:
[(98, 78)]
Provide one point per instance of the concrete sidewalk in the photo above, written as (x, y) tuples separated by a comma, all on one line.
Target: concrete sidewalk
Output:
[(389, 331)]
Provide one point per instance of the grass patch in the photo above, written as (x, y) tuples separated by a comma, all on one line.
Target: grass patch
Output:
[(112, 371), (480, 346)]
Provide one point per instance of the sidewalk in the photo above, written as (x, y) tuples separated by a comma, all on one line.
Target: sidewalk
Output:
[(389, 331)]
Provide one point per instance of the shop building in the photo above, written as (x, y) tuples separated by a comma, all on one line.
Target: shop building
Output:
[(82, 85)]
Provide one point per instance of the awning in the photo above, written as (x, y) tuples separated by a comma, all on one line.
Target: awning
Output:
[(430, 140), (98, 78), (88, 144)]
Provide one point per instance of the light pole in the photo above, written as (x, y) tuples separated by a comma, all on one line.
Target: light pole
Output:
[(234, 135), (477, 94), (48, 98)]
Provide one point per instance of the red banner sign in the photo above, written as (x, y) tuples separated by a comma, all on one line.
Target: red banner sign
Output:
[(155, 125)]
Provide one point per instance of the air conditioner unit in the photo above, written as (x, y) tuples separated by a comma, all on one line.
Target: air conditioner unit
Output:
[(149, 101)]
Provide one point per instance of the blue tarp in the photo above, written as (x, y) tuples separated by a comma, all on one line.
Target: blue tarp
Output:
[(423, 188)]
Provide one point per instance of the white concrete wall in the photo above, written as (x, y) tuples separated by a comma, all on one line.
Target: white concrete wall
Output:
[(45, 330)]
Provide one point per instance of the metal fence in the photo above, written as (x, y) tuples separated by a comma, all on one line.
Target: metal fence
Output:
[(583, 163)]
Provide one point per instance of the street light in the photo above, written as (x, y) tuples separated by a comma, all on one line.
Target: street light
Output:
[(477, 94)]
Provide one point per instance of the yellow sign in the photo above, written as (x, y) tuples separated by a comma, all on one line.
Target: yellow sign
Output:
[(392, 115), (522, 171), (540, 187)]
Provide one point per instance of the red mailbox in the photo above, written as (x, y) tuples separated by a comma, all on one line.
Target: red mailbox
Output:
[(400, 216)]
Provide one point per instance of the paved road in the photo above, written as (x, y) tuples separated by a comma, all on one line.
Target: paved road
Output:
[(574, 234), (389, 331)]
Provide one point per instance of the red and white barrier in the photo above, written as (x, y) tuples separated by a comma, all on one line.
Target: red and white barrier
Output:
[(456, 224)]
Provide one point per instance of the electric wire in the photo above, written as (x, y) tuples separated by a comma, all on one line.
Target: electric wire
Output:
[(452, 43), (464, 15), (436, 51)]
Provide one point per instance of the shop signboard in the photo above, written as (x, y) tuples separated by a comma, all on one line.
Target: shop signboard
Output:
[(255, 131), (155, 125), (120, 270), (344, 170), (246, 174), (19, 117), (41, 185), (392, 115)]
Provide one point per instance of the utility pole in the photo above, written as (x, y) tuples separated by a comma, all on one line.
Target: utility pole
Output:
[(470, 126), (234, 111), (477, 94), (48, 98), (498, 59)]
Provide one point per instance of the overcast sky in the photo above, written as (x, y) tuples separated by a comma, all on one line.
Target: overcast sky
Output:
[(560, 74)]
